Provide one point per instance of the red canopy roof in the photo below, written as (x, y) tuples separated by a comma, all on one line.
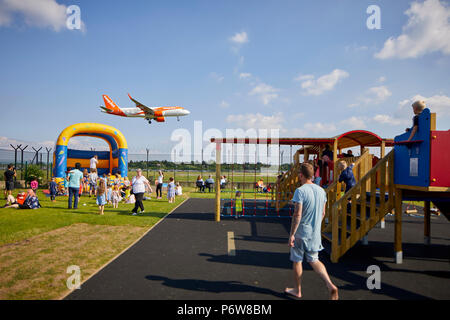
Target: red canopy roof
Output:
[(346, 140)]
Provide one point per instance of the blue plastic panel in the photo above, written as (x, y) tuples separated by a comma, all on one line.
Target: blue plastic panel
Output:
[(412, 161)]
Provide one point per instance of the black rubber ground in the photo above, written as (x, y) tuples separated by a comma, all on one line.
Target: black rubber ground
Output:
[(186, 257)]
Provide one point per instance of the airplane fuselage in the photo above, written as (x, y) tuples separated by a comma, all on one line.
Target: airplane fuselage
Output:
[(159, 112)]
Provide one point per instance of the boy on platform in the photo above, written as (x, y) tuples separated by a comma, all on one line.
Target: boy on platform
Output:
[(418, 107)]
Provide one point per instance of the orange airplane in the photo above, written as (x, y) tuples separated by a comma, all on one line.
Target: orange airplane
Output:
[(158, 114)]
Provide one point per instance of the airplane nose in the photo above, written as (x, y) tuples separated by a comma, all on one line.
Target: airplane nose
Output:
[(186, 112)]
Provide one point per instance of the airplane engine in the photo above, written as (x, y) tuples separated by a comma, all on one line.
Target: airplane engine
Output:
[(160, 119), (159, 114)]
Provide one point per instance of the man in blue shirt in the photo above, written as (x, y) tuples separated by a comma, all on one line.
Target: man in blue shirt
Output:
[(305, 238), (75, 179)]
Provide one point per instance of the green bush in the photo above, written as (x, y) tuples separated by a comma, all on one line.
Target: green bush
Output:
[(34, 172)]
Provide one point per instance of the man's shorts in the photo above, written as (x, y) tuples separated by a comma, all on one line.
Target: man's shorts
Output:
[(9, 185), (298, 251)]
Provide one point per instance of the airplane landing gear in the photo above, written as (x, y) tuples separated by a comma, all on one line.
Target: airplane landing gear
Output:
[(149, 121)]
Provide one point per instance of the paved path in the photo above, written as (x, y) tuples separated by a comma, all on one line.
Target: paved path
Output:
[(189, 256)]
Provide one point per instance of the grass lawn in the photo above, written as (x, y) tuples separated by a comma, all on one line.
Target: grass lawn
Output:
[(235, 178), (37, 246)]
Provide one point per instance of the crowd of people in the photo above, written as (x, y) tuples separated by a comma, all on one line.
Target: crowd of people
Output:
[(108, 189)]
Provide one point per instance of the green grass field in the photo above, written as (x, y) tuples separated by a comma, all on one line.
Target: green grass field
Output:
[(184, 176), (36, 246)]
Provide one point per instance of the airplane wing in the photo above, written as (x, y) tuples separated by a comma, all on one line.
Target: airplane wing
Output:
[(147, 110)]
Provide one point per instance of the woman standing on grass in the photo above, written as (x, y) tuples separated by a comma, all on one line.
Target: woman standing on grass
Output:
[(159, 185), (101, 196), (139, 184)]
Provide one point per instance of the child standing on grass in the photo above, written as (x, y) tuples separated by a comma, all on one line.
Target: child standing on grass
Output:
[(115, 196), (178, 190), (109, 194), (53, 188), (238, 204), (171, 190), (101, 196)]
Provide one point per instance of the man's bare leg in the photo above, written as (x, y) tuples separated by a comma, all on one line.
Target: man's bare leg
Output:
[(297, 290), (320, 269)]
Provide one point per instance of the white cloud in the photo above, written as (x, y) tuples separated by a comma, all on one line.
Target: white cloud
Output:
[(354, 123), (374, 95), (224, 104), (304, 77), (381, 79), (35, 13), (5, 143), (239, 38), (265, 92), (437, 103), (325, 83), (256, 121), (244, 75), (389, 120), (427, 30), (319, 128)]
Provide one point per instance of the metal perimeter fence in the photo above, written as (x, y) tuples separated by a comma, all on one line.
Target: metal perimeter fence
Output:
[(245, 172)]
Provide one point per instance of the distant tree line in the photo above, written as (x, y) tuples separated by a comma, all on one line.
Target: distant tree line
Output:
[(196, 166)]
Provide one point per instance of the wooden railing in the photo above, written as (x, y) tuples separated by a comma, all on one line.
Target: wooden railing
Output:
[(361, 165), (358, 211), (286, 186)]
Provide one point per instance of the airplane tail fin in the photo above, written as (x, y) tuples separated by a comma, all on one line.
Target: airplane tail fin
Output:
[(110, 106)]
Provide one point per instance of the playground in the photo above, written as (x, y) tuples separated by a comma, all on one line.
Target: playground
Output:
[(239, 251), (231, 243)]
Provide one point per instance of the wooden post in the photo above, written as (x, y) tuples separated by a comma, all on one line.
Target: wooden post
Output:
[(433, 121), (383, 180), (335, 150), (218, 160), (427, 223), (398, 226)]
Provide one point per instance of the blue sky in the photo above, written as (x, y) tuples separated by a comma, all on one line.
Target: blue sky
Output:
[(309, 68)]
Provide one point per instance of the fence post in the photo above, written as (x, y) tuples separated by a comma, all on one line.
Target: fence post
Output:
[(21, 162), (26, 168), (15, 154), (148, 150), (48, 159), (36, 155), (218, 160)]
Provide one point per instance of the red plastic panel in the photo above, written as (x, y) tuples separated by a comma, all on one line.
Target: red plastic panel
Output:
[(440, 159)]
